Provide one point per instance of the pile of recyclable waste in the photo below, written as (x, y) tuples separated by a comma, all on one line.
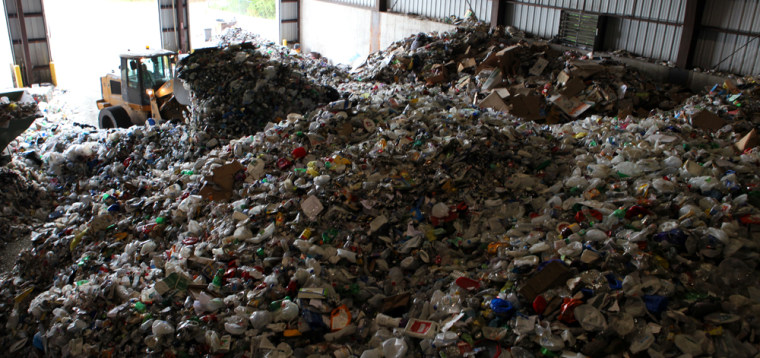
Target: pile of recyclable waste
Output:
[(529, 80), (22, 198), (239, 86), (401, 220)]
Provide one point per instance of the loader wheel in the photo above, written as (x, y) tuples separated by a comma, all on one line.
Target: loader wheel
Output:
[(114, 117)]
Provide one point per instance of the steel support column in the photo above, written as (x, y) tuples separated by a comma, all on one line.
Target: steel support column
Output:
[(27, 68), (690, 32), (498, 7)]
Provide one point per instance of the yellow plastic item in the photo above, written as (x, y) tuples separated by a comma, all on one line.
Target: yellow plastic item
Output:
[(78, 238), (291, 333)]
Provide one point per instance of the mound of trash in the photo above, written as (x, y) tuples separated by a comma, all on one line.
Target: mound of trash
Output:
[(405, 219), (236, 90)]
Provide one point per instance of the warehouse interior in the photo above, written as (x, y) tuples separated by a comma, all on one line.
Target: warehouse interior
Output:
[(380, 178)]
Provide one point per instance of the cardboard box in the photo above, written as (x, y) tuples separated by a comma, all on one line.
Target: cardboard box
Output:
[(495, 102), (707, 120), (502, 92), (220, 185), (466, 63), (748, 141), (585, 69), (553, 274), (527, 107), (573, 87)]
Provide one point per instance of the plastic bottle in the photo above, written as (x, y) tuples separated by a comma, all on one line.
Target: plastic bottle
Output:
[(394, 348), (288, 311), (547, 339), (161, 328)]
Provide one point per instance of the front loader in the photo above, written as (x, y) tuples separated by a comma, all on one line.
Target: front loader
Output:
[(145, 88)]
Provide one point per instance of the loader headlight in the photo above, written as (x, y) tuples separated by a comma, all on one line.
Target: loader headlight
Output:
[(149, 92)]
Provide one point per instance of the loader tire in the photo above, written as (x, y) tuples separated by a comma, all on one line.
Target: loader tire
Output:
[(114, 117)]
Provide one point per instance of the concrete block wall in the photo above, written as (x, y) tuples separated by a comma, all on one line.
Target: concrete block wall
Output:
[(394, 27), (338, 32), (345, 34)]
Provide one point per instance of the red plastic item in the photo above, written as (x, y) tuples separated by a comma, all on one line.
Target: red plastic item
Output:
[(190, 241), (299, 153), (567, 313), (750, 219), (464, 347), (580, 217), (539, 304), (467, 283), (292, 287), (283, 163)]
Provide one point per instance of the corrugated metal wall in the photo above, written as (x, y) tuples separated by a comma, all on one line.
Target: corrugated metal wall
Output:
[(175, 29), (35, 65), (650, 28), (541, 21), (439, 9), (289, 13), (729, 37)]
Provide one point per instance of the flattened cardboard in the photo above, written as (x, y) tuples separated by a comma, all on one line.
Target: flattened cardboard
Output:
[(439, 75), (502, 92), (748, 141), (539, 67), (509, 61), (572, 87), (707, 120), (572, 106), (585, 69), (553, 274), (435, 79), (219, 186), (490, 61), (528, 107), (520, 90), (495, 102), (393, 303), (505, 59), (466, 63), (507, 50), (346, 129), (463, 83), (554, 116)]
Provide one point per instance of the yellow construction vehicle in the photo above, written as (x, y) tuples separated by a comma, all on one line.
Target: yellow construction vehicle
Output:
[(145, 88)]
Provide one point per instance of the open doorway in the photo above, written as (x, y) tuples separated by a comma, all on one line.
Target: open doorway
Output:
[(210, 18), (86, 39)]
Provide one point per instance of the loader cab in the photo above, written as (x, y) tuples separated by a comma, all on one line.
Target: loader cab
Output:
[(144, 72)]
